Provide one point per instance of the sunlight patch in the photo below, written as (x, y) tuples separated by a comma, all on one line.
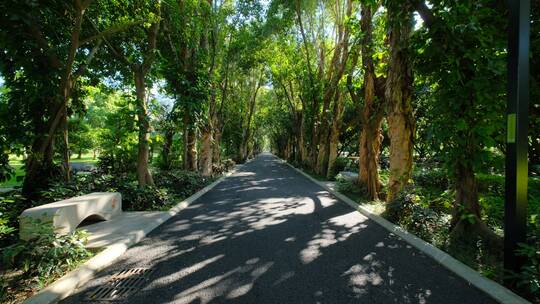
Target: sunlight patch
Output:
[(240, 291)]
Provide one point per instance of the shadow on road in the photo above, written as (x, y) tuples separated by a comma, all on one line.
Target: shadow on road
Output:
[(268, 235)]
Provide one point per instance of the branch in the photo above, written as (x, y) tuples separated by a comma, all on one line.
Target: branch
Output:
[(112, 48), (88, 60), (110, 31)]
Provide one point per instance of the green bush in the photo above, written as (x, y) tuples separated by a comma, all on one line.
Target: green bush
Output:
[(349, 187), (413, 212), (11, 206), (43, 258), (528, 279), (121, 162), (342, 164), (433, 178), (225, 166), (135, 198), (181, 182)]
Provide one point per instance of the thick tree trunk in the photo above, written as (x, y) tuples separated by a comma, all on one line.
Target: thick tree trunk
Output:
[(300, 149), (65, 151), (466, 217), (205, 160), (216, 157), (370, 149), (143, 172), (190, 144), (334, 136), (321, 165), (322, 157), (246, 134), (372, 114), (167, 146), (39, 166), (401, 126)]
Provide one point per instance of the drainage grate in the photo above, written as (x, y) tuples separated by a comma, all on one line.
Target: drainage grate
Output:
[(121, 285)]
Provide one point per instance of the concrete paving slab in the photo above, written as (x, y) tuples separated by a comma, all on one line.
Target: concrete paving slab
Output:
[(127, 224)]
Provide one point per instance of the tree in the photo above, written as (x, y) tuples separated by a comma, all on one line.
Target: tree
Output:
[(398, 95), (373, 107), (464, 54), (136, 49), (48, 53)]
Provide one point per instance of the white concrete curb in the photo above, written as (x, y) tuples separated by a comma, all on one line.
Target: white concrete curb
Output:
[(64, 286), (498, 292)]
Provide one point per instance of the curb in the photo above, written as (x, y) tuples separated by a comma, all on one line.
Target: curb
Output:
[(64, 286), (498, 292)]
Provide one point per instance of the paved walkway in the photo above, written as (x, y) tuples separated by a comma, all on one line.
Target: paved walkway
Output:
[(269, 235)]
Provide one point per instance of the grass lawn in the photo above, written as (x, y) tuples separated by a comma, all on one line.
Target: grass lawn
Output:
[(86, 158), (17, 164), (12, 182)]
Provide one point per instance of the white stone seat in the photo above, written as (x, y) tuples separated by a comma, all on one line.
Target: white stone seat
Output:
[(66, 215)]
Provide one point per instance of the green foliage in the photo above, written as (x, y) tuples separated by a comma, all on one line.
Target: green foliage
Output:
[(411, 211), (11, 206), (44, 258), (182, 183), (434, 178), (528, 279)]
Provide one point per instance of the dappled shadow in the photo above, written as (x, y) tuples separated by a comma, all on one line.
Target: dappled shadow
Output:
[(268, 235)]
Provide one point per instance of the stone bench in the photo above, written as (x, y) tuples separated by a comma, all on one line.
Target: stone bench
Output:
[(65, 216)]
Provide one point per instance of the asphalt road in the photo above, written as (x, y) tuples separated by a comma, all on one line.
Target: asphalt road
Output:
[(269, 235)]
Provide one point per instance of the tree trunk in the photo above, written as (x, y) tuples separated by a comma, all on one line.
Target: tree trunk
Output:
[(370, 149), (334, 136), (372, 114), (300, 149), (466, 217), (205, 160), (65, 150), (216, 157), (167, 146), (321, 164), (39, 165), (246, 134), (143, 173), (401, 126), (190, 144), (322, 157)]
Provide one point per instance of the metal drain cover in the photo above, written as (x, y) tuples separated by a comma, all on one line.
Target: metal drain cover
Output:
[(121, 285)]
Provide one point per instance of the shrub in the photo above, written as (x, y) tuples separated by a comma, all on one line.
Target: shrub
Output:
[(228, 164), (348, 187), (431, 178), (225, 166), (181, 182), (11, 206), (122, 162), (135, 198), (342, 164), (528, 279), (44, 258), (413, 212)]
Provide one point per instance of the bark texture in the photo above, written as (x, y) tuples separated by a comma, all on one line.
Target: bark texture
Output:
[(190, 144), (401, 126), (205, 160), (143, 172), (372, 113), (334, 136), (167, 147)]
